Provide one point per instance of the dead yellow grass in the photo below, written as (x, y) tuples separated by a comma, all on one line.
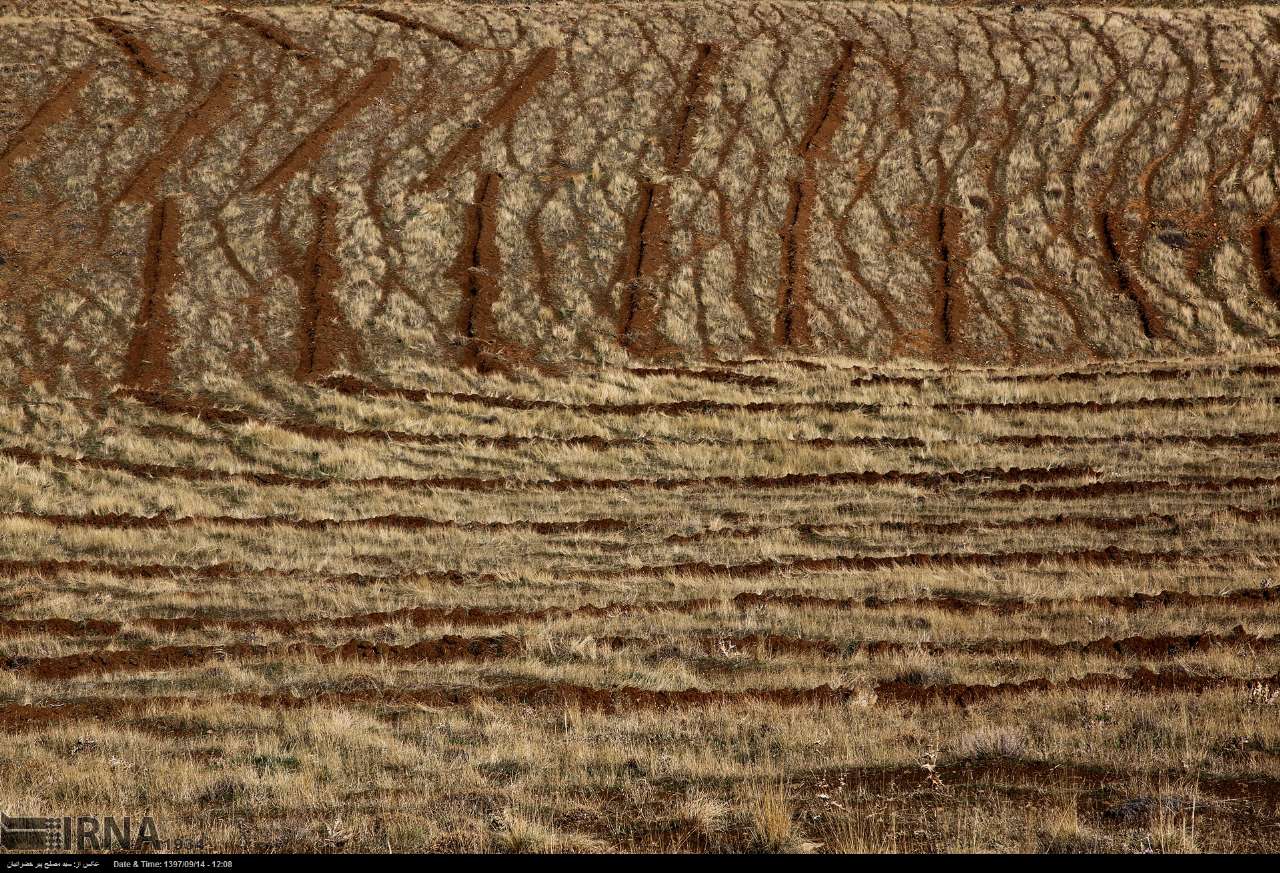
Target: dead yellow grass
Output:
[(705, 426)]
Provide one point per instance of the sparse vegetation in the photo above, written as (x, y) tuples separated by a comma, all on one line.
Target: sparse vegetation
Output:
[(704, 426)]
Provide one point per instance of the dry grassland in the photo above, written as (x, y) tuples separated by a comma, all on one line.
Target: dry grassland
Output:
[(703, 426)]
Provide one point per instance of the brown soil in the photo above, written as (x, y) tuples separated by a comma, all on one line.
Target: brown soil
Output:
[(478, 272), (540, 68), (1006, 606), (791, 326), (197, 408), (356, 387), (448, 648), (1110, 556), (15, 717), (137, 51), (472, 483), (196, 126), (415, 25), (366, 91), (148, 361), (26, 140), (267, 30)]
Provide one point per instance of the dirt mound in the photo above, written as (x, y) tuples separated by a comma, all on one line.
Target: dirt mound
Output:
[(447, 648), (1007, 606)]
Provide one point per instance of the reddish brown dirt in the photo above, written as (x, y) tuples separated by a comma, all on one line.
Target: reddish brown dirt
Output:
[(1006, 770), (679, 151), (1101, 405), (919, 479), (1113, 242), (1008, 606), (478, 272), (448, 648), (15, 717), (646, 257), (722, 377), (1148, 647), (541, 68), (357, 387), (769, 644), (791, 325), (401, 522), (1158, 374), (369, 89), (60, 627), (197, 125), (1143, 647), (744, 533), (469, 616), (148, 364), (608, 700), (1140, 681), (594, 525), (1096, 522), (26, 141), (19, 716), (267, 30), (1265, 249), (324, 338), (138, 52), (910, 376), (1127, 487), (48, 567), (413, 24), (1108, 557), (950, 306), (198, 408), (427, 616), (1170, 439)]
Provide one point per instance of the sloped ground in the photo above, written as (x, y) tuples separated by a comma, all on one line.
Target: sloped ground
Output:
[(731, 608), (197, 189), (704, 427)]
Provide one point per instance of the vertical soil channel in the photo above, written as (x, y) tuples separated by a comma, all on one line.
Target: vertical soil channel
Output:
[(646, 257), (323, 334), (478, 270), (646, 254), (1266, 260), (148, 363), (949, 303), (1111, 239), (791, 326), (705, 66)]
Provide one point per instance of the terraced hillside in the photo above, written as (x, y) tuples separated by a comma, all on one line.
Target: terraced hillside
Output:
[(195, 189), (703, 426), (737, 607)]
